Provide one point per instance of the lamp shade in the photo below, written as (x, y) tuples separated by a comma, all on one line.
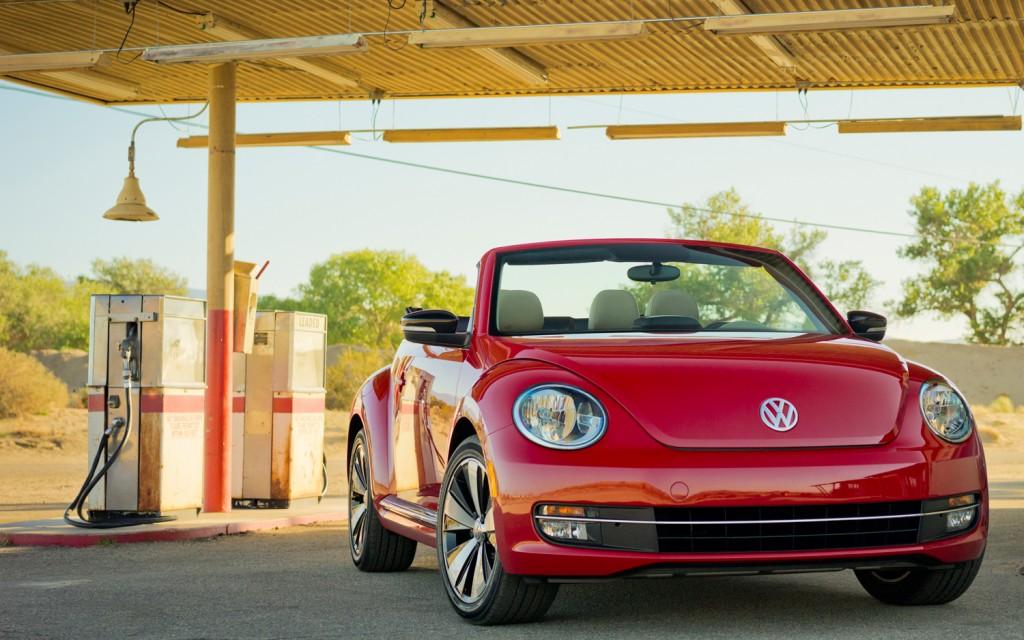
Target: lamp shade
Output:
[(131, 204)]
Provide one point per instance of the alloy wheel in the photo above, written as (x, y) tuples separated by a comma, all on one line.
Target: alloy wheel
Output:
[(468, 541), (358, 499)]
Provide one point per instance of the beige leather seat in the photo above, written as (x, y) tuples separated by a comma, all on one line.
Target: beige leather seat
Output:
[(613, 310), (519, 311), (673, 302)]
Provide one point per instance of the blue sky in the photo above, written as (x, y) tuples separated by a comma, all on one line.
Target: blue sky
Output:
[(63, 162)]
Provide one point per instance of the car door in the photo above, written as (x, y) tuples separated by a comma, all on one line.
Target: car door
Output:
[(424, 380)]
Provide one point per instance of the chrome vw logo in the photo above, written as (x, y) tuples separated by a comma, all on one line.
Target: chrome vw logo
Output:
[(779, 414)]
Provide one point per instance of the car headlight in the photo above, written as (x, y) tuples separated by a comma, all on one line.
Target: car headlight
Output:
[(559, 416), (945, 411)]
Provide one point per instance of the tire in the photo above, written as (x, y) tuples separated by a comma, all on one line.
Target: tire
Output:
[(373, 548), (474, 580), (916, 587)]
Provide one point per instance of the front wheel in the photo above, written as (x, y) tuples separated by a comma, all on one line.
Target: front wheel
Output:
[(919, 586), (467, 554)]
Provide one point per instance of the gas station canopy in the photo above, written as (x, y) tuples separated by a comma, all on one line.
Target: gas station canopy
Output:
[(982, 44)]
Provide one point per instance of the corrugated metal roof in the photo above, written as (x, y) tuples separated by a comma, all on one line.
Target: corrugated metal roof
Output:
[(983, 46)]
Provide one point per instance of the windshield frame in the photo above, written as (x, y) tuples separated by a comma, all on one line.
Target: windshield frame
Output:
[(804, 292)]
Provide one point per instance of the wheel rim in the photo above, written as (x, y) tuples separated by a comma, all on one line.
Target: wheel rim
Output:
[(358, 500), (468, 542)]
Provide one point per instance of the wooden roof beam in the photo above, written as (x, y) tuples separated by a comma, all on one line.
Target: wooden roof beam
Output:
[(511, 60), (771, 46), (228, 30), (88, 81)]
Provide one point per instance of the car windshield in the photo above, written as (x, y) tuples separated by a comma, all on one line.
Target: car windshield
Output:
[(654, 288)]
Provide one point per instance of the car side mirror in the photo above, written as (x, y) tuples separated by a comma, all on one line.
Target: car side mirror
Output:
[(434, 327), (867, 324)]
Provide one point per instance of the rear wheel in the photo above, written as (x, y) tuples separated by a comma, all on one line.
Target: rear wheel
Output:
[(373, 547), (476, 583), (919, 586)]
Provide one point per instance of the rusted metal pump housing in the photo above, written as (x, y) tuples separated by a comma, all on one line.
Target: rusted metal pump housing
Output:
[(278, 413), (160, 468)]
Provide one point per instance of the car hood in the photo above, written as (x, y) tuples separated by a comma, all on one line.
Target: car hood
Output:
[(708, 391)]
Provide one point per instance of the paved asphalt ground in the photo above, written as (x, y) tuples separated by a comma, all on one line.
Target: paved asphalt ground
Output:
[(300, 583)]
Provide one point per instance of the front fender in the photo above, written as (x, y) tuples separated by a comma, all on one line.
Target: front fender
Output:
[(373, 406)]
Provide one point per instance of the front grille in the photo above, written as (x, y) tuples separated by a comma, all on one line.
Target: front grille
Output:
[(788, 528)]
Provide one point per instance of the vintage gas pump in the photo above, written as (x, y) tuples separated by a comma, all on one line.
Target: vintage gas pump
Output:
[(278, 420), (146, 382)]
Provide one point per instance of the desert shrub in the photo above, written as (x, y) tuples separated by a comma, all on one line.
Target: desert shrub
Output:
[(1002, 404), (27, 387), (344, 377)]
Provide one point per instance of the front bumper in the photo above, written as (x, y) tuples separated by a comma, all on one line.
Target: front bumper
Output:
[(642, 474)]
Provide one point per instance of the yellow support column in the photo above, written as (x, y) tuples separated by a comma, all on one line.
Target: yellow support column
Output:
[(220, 287)]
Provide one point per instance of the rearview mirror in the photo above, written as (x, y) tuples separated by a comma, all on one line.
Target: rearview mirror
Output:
[(867, 324), (434, 327), (654, 272)]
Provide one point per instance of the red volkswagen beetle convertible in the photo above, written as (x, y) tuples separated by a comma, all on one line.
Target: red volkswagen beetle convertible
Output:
[(630, 408)]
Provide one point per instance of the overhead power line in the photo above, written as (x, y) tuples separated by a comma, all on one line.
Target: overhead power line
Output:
[(570, 190)]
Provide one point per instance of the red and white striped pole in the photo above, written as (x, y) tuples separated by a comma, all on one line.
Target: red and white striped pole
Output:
[(220, 288)]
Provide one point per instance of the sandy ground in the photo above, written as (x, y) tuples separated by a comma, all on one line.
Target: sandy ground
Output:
[(1003, 435), (43, 459)]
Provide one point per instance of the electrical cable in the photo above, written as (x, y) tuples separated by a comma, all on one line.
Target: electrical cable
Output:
[(629, 199), (165, 118), (387, 21), (130, 7)]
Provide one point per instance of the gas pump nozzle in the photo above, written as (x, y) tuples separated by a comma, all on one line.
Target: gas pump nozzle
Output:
[(129, 365)]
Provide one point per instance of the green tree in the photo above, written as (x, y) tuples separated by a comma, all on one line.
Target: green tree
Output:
[(969, 241), (270, 302), (39, 310), (724, 217), (364, 294), (353, 366), (125, 275)]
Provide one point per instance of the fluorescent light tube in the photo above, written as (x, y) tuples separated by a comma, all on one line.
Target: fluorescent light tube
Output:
[(507, 59), (830, 20), (913, 125), (51, 61), (210, 52), (695, 130), (224, 29), (286, 139), (526, 35), (480, 134)]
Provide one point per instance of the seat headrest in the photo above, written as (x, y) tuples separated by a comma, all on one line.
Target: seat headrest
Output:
[(612, 310), (519, 312), (673, 302)]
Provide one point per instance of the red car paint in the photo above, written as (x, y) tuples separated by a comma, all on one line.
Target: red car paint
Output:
[(679, 434)]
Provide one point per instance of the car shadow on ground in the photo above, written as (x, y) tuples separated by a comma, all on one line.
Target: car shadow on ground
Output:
[(812, 605)]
